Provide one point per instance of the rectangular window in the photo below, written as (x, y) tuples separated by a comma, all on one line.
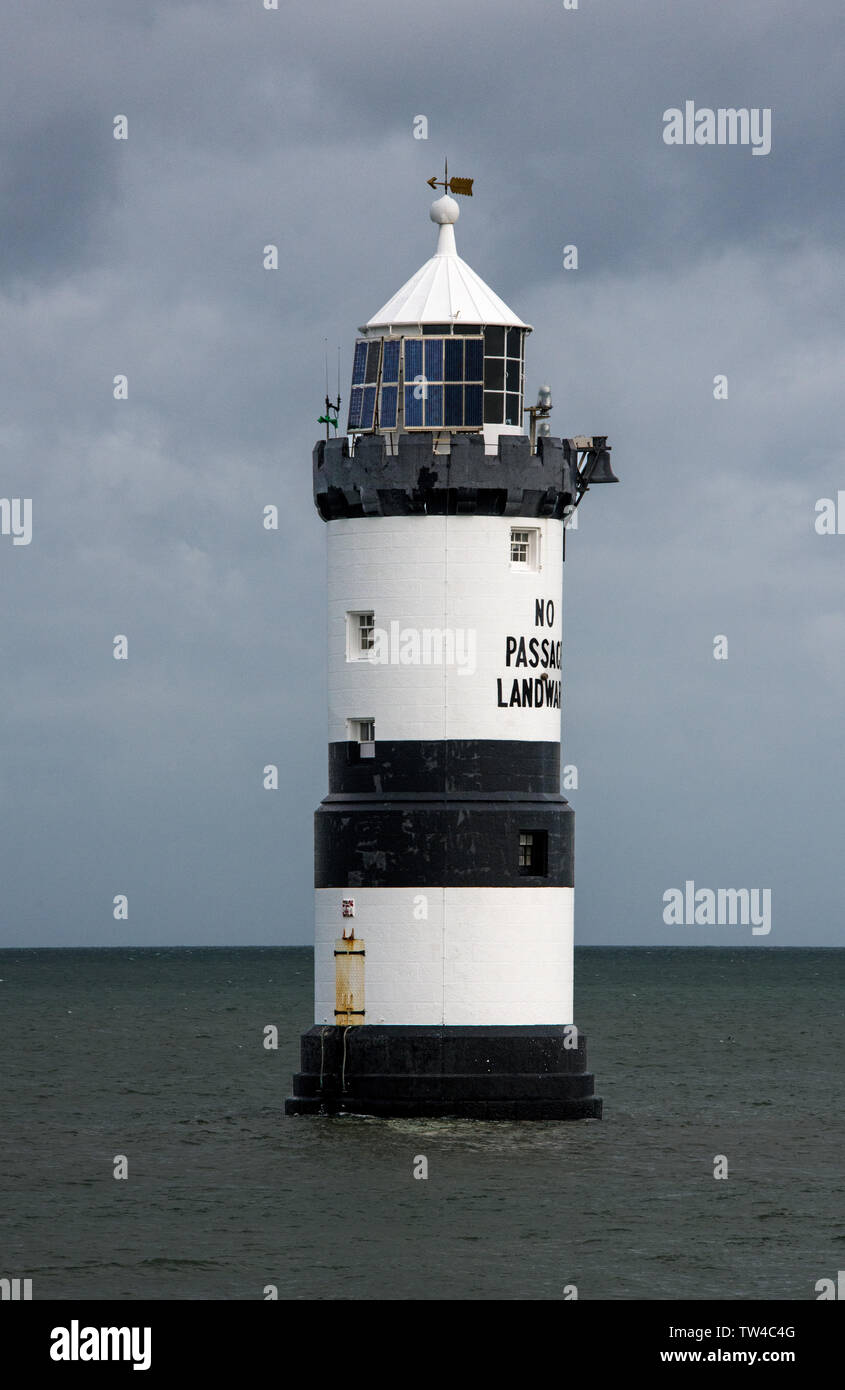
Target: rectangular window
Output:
[(525, 547), (359, 635), (534, 852), (363, 733)]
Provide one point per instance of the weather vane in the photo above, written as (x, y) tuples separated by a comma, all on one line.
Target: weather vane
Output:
[(463, 186)]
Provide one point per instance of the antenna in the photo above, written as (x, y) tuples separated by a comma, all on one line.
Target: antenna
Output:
[(332, 406)]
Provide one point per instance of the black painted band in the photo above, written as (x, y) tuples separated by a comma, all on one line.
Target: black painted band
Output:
[(417, 481), (474, 766), (466, 844), (486, 1073)]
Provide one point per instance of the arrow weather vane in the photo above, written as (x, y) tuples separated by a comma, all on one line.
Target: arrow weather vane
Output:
[(463, 186)]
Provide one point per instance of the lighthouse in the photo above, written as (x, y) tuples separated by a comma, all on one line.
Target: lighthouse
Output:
[(444, 849)]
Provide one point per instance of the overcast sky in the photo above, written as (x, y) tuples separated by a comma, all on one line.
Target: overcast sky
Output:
[(250, 126)]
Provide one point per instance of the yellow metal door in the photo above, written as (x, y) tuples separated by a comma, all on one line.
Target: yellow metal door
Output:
[(349, 980)]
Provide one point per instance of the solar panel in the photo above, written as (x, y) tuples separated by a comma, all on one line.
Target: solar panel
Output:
[(368, 407), (434, 406), (473, 405), (355, 402), (359, 362), (434, 359), (440, 376), (454, 359), (454, 406), (413, 408), (474, 359), (413, 358), (373, 355), (389, 405), (390, 366)]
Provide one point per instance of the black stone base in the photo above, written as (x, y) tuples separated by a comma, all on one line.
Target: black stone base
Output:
[(524, 1073)]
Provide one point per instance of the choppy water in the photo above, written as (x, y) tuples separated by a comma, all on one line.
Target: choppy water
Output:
[(157, 1055)]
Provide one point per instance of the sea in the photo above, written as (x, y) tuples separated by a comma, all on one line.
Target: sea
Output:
[(145, 1153)]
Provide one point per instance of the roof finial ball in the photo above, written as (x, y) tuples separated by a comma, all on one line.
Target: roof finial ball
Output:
[(444, 211)]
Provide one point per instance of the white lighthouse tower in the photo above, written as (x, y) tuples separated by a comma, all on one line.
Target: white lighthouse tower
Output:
[(444, 848)]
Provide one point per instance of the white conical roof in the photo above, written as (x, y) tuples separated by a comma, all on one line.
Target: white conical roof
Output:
[(445, 289)]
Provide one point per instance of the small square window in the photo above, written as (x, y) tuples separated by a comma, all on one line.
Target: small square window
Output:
[(362, 733), (360, 628), (534, 852), (525, 548)]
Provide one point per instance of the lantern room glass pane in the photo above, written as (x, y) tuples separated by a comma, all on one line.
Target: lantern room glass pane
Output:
[(494, 342), (513, 370), (494, 373), (514, 342), (494, 406), (512, 410)]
